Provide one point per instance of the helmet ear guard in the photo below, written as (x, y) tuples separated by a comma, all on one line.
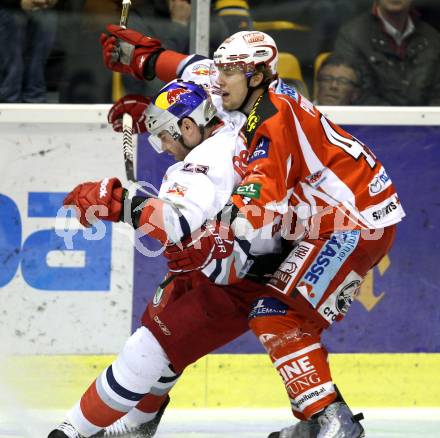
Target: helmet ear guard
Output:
[(178, 100)]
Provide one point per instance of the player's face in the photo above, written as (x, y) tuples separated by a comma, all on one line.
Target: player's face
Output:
[(172, 147), (233, 85)]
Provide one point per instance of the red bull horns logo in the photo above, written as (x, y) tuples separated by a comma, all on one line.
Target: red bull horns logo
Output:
[(170, 97)]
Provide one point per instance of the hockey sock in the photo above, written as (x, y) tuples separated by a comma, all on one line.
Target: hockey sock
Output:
[(300, 359), (122, 385)]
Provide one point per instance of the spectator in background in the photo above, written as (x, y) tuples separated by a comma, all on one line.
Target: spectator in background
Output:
[(337, 82), (397, 55), (27, 35), (235, 14)]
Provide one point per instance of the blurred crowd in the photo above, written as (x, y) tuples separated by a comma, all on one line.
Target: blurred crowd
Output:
[(336, 52)]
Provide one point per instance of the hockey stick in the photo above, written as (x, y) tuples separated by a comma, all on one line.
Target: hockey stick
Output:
[(127, 120)]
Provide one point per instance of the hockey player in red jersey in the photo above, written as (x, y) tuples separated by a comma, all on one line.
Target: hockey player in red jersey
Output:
[(346, 204)]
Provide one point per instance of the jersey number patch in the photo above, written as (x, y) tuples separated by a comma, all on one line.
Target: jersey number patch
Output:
[(350, 145)]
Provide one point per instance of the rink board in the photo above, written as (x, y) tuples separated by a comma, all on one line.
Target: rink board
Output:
[(235, 380), (397, 309), (55, 303)]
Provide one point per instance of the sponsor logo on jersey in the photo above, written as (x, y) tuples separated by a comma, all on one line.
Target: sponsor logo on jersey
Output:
[(340, 300), (253, 118), (284, 277), (379, 183), (283, 88), (177, 190), (267, 307), (165, 330), (200, 70), (251, 190), (195, 168), (310, 395), (168, 98), (261, 151), (346, 296), (326, 264), (240, 163), (384, 211), (299, 375), (317, 178)]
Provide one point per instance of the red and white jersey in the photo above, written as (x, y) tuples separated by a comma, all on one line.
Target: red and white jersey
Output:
[(306, 176), (197, 188), (301, 160)]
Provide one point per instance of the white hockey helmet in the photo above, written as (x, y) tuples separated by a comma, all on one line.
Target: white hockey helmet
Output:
[(246, 50), (174, 102)]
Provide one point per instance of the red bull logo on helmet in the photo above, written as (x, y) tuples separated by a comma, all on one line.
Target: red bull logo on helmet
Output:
[(170, 97)]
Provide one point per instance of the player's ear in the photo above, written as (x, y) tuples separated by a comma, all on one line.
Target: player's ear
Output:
[(188, 126), (256, 79)]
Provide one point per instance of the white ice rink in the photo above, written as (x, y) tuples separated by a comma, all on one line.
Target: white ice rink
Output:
[(237, 423)]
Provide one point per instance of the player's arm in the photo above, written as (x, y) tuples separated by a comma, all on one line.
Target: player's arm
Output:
[(130, 52), (254, 213)]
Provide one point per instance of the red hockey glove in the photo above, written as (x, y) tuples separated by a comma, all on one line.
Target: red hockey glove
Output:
[(97, 200), (214, 241), (128, 51), (133, 104)]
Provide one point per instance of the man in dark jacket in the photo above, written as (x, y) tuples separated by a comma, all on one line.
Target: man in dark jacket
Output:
[(397, 54), (27, 35)]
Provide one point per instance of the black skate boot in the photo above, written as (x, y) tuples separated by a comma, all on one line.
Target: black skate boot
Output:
[(65, 430)]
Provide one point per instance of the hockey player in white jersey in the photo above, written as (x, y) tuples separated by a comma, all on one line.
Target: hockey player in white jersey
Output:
[(180, 118)]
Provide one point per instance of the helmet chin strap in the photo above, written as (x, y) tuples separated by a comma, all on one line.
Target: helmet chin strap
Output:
[(251, 89)]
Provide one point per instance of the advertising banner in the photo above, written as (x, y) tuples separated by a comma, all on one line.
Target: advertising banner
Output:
[(86, 298), (63, 288), (397, 308)]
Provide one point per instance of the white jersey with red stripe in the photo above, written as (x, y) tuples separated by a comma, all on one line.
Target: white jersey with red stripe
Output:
[(197, 188)]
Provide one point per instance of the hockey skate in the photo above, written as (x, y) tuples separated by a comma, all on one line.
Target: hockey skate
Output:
[(302, 429), (336, 421), (65, 430), (144, 430), (117, 429)]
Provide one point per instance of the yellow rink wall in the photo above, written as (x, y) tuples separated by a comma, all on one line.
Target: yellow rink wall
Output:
[(238, 380)]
